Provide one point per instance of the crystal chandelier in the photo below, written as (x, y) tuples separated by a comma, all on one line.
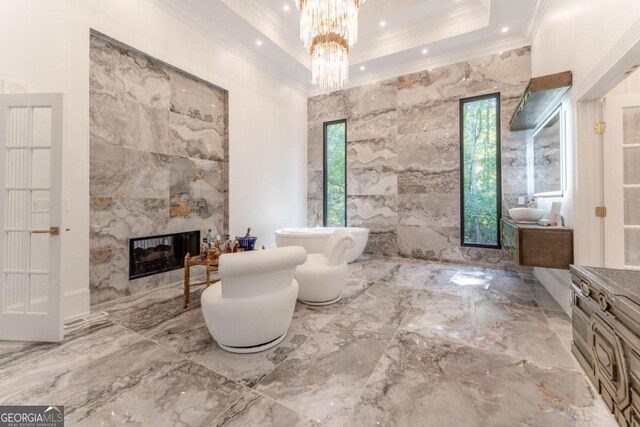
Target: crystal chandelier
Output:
[(328, 28)]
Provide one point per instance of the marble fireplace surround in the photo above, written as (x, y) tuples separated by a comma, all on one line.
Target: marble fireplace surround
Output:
[(158, 160), (403, 162)]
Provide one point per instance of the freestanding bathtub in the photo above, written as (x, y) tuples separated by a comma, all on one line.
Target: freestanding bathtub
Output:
[(314, 239)]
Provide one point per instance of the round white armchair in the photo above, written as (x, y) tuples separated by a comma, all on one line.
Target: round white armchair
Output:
[(252, 309), (324, 276)]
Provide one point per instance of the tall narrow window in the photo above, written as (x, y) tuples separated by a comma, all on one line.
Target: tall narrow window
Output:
[(480, 195), (335, 173)]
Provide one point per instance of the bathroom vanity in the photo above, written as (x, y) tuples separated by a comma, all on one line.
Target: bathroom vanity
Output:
[(606, 336), (533, 245)]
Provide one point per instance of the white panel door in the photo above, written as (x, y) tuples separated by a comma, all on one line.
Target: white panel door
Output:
[(622, 182), (30, 208)]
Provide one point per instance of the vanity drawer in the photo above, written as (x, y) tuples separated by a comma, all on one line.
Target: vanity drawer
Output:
[(607, 313), (609, 361), (598, 300), (633, 361), (535, 246), (635, 400)]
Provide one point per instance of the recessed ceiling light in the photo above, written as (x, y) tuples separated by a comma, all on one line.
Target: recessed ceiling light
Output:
[(286, 8), (425, 51), (362, 68), (258, 42), (382, 23), (505, 29)]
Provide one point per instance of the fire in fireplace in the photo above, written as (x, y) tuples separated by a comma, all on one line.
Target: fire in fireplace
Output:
[(157, 254)]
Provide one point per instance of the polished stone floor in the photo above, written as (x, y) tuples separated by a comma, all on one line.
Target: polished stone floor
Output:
[(410, 344)]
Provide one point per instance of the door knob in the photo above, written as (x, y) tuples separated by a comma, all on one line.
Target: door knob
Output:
[(54, 231)]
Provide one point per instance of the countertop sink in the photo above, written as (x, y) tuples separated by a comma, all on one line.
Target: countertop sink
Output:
[(531, 215)]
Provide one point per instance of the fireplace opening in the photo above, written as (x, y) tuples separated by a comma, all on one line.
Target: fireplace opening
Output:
[(158, 254)]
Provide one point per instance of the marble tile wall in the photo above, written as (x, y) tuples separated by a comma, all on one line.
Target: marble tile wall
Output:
[(158, 160), (403, 153)]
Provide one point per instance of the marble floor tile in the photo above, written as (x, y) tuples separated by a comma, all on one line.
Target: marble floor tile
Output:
[(447, 316), (140, 383), (382, 303), (520, 331), (411, 342), (527, 275), (371, 267), (161, 318), (502, 289), (497, 285), (145, 311), (25, 365), (407, 276), (494, 313), (354, 289), (249, 369), (255, 410), (323, 378), (422, 381)]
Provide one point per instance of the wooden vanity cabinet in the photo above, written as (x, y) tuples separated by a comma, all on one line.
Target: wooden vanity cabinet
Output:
[(535, 246), (605, 307)]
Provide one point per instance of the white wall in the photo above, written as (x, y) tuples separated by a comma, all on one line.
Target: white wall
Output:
[(45, 44), (578, 35)]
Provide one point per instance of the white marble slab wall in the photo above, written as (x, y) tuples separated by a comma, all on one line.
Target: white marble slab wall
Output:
[(403, 148), (158, 161)]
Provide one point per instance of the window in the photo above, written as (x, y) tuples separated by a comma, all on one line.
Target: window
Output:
[(335, 173), (480, 195)]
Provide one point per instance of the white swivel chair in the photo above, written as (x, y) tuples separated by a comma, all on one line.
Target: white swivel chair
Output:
[(252, 309), (324, 276)]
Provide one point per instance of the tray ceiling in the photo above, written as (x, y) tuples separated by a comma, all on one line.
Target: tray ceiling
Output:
[(416, 34)]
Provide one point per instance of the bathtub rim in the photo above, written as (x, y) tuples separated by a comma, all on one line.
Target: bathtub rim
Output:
[(299, 232)]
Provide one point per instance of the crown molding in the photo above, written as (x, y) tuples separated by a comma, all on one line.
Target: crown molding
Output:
[(611, 68), (199, 23), (265, 21), (534, 19), (283, 58), (459, 55), (449, 22), (446, 23)]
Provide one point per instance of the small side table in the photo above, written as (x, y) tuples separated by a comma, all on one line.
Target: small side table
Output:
[(211, 265)]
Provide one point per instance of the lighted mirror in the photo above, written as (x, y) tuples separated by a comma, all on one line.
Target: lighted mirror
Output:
[(548, 157)]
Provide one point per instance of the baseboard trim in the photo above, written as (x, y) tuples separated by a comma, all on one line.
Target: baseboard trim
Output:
[(75, 304), (558, 284)]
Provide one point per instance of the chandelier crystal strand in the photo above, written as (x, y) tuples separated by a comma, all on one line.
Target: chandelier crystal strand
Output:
[(328, 28), (329, 66), (328, 16)]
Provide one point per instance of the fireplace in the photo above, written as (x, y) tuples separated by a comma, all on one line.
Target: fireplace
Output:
[(157, 254)]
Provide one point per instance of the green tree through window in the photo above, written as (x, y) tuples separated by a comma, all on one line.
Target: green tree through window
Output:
[(480, 170), (335, 180)]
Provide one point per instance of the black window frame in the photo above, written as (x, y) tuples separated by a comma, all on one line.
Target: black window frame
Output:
[(324, 169), (463, 101)]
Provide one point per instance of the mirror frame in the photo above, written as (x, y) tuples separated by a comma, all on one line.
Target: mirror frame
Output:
[(558, 110)]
